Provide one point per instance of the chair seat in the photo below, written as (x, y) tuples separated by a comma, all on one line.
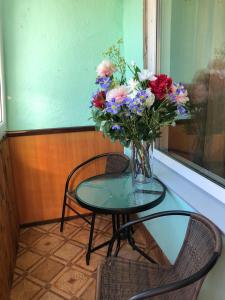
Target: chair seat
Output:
[(120, 279)]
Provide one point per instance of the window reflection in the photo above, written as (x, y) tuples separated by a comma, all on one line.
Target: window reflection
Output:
[(199, 142)]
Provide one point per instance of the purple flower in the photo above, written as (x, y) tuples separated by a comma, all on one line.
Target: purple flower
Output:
[(181, 110), (113, 107), (116, 127), (136, 105), (104, 82), (142, 95)]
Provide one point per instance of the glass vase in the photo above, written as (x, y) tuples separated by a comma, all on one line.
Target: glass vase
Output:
[(142, 161)]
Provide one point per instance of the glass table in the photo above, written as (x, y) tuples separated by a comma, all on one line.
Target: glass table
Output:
[(116, 195)]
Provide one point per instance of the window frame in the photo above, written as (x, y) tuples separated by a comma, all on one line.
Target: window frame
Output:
[(200, 192)]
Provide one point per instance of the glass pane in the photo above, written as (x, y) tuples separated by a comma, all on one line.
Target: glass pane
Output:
[(116, 192), (192, 50)]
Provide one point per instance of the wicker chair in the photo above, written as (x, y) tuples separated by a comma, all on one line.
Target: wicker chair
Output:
[(106, 163), (123, 279)]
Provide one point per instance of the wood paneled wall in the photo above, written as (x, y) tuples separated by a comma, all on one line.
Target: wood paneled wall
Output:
[(41, 164), (8, 222)]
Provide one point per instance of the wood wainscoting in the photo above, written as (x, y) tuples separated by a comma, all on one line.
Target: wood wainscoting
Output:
[(41, 163), (9, 226)]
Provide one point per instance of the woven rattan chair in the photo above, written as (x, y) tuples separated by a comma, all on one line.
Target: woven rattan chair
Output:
[(106, 163), (123, 279)]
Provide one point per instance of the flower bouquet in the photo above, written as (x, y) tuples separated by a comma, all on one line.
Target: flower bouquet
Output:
[(134, 111)]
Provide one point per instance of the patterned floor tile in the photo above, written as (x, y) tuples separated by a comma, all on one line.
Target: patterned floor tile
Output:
[(101, 223), (68, 251), (139, 238), (127, 252), (47, 244), (89, 293), (82, 236), (47, 270), (79, 222), (50, 296), (52, 265), (68, 230), (100, 238), (95, 260), (29, 236), (48, 227), (73, 282), (27, 260), (25, 290)]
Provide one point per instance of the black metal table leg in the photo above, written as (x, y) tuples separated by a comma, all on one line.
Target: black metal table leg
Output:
[(126, 235), (132, 243), (115, 225), (90, 240)]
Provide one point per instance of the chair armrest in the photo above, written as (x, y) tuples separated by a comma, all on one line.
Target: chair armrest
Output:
[(178, 284), (143, 219)]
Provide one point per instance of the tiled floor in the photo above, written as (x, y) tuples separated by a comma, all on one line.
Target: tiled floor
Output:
[(51, 265)]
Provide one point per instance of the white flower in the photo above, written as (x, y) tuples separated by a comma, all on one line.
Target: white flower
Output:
[(132, 85), (146, 75), (105, 68), (133, 63), (151, 98)]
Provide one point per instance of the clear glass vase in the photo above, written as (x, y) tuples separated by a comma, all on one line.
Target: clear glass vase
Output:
[(142, 161)]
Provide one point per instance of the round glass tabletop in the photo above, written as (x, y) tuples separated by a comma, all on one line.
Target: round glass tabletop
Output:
[(115, 193)]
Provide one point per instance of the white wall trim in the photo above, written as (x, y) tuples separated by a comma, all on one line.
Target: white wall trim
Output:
[(200, 181), (203, 195), (151, 20)]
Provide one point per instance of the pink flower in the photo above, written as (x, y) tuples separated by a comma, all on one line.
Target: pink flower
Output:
[(105, 68), (179, 94), (119, 94)]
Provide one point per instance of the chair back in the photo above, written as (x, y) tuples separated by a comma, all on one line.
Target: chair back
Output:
[(106, 163), (201, 248), (116, 163)]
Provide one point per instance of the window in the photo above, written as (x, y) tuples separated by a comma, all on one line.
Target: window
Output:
[(191, 48)]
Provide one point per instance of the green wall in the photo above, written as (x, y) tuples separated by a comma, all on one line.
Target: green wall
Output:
[(133, 31), (3, 123), (51, 51)]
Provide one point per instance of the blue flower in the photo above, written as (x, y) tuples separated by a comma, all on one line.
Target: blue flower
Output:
[(181, 110), (136, 105), (112, 106), (104, 82), (142, 96), (116, 127)]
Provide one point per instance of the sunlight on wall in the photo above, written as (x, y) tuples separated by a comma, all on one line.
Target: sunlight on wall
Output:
[(52, 49), (133, 31)]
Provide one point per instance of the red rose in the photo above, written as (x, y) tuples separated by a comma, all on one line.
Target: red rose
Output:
[(99, 100), (161, 86)]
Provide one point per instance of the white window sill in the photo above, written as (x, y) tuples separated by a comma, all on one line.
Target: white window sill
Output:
[(203, 195)]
